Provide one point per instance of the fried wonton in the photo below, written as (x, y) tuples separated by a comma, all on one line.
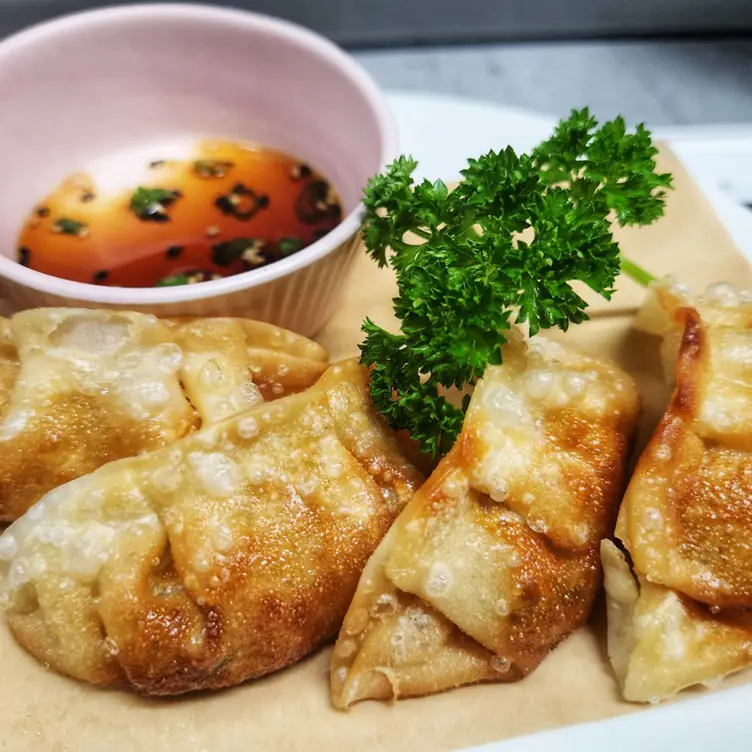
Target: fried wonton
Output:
[(226, 556), (80, 388), (680, 612), (496, 558)]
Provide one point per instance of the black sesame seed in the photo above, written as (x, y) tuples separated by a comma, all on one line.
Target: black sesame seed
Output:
[(224, 204), (100, 276), (88, 196), (230, 251), (241, 202), (156, 163), (156, 215), (312, 207), (43, 211), (174, 251), (24, 256), (305, 171)]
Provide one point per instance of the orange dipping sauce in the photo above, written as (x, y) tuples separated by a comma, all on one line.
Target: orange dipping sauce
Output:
[(230, 208)]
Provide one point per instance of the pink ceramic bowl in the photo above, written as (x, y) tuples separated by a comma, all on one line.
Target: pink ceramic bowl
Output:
[(77, 89)]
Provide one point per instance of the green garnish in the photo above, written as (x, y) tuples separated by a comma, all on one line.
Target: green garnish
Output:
[(173, 281), (474, 274), (288, 246), (636, 272), (191, 277), (150, 204), (69, 226)]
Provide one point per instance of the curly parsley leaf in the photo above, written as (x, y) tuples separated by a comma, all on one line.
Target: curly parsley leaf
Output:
[(500, 249)]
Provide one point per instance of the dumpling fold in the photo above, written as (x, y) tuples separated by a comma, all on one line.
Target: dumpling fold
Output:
[(230, 554), (680, 587), (496, 559), (80, 388)]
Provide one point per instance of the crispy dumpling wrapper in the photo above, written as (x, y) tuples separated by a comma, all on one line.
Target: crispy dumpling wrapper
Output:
[(682, 615), (228, 555), (496, 559), (80, 388), (8, 365)]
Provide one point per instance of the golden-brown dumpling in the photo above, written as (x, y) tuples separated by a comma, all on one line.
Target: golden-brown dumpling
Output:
[(223, 353), (8, 365), (80, 388), (495, 560), (228, 555), (685, 616)]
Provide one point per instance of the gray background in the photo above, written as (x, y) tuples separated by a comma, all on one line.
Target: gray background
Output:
[(379, 22), (629, 56), (661, 82)]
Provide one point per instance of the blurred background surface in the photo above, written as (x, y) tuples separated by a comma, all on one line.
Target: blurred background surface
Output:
[(667, 62)]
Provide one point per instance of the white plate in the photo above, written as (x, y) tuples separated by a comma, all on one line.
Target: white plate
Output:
[(441, 132)]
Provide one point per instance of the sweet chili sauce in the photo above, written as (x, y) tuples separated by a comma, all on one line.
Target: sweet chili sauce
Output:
[(230, 208)]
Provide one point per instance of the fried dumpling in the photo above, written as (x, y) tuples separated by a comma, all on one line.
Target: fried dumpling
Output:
[(720, 306), (228, 555), (680, 608), (229, 365), (495, 560), (80, 388), (8, 365)]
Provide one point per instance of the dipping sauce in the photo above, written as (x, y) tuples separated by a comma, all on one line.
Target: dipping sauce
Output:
[(230, 208)]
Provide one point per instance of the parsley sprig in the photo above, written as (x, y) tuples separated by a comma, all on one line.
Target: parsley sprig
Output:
[(500, 249)]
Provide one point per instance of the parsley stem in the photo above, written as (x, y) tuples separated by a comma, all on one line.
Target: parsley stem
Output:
[(636, 272)]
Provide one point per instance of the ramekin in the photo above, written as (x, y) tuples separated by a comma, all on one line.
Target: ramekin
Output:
[(78, 88)]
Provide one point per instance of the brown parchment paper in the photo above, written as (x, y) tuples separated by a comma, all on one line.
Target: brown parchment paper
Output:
[(290, 710)]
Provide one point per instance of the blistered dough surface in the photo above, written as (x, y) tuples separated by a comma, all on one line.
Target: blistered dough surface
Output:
[(229, 554), (496, 559), (80, 388), (686, 516)]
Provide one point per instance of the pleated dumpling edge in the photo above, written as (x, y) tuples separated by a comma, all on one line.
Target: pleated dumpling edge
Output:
[(230, 554), (80, 388), (496, 559)]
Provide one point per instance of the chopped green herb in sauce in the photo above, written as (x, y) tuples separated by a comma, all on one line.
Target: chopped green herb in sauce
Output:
[(187, 278), (67, 226), (150, 204), (173, 281), (288, 246)]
